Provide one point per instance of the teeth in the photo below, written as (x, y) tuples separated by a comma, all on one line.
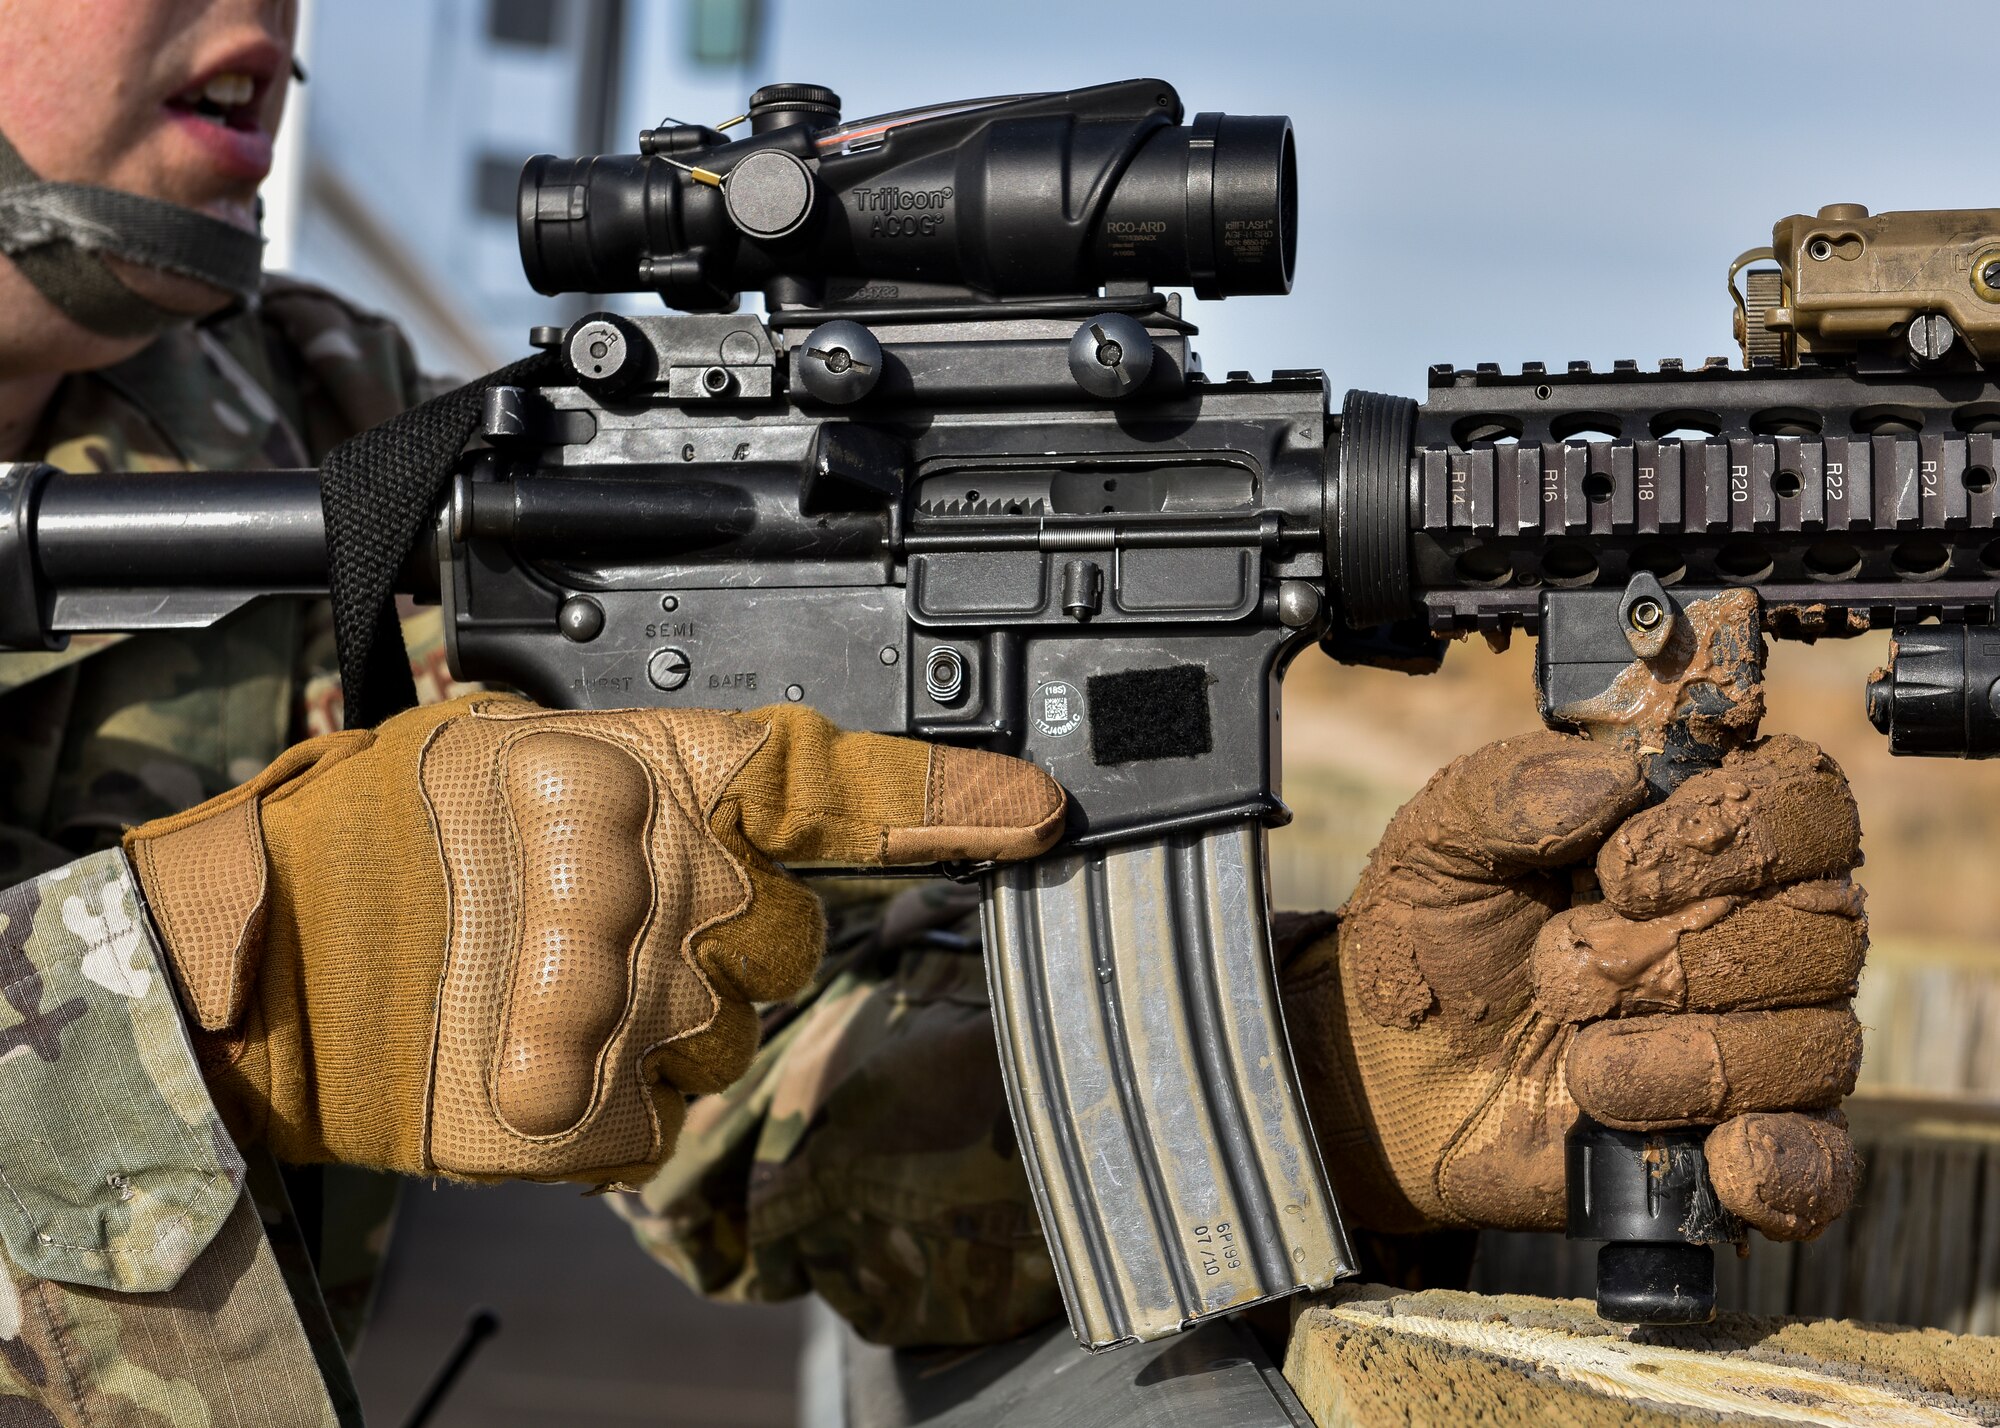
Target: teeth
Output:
[(229, 90)]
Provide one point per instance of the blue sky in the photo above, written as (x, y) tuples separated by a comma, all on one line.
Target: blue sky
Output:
[(1542, 180)]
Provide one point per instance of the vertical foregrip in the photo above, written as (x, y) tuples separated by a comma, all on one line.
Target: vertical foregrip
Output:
[(1151, 1083)]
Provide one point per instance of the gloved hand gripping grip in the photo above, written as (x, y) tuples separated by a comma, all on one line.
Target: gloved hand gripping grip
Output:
[(1151, 1083), (1678, 680)]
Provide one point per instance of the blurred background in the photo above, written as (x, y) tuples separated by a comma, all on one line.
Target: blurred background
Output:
[(1531, 181)]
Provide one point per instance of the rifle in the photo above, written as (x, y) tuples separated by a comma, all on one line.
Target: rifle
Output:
[(967, 481)]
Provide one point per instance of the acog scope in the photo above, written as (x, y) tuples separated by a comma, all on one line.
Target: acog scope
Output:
[(1024, 196)]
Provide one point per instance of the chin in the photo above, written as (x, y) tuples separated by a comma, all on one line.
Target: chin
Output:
[(237, 212)]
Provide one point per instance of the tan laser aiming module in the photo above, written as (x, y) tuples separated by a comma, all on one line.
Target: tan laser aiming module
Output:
[(1848, 282)]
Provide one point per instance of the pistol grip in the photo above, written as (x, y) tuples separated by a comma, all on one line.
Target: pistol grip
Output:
[(1151, 1083)]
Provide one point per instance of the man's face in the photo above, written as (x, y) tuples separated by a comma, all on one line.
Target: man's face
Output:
[(174, 99)]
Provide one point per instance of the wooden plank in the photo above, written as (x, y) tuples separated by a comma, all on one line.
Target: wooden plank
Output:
[(1370, 1357)]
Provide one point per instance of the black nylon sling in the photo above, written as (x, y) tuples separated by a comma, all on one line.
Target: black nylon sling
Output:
[(377, 492)]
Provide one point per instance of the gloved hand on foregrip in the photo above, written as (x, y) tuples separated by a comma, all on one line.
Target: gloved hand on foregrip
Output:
[(1474, 996), (489, 939)]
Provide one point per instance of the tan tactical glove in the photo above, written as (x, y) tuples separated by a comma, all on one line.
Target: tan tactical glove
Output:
[(489, 939), (1475, 998)]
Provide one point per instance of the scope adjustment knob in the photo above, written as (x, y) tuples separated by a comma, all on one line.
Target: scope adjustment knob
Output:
[(839, 362), (769, 194), (1111, 355)]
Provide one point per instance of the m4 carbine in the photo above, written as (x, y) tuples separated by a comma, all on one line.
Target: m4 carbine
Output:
[(967, 481)]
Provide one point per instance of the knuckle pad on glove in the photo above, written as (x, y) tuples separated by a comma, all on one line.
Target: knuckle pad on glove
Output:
[(579, 861), (1789, 1175), (1779, 812), (1649, 1072), (580, 809), (1414, 949), (1537, 801)]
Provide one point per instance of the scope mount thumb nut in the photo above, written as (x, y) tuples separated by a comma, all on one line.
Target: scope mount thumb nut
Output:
[(1111, 355), (839, 362)]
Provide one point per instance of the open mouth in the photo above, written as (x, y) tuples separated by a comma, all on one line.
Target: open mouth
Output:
[(228, 101)]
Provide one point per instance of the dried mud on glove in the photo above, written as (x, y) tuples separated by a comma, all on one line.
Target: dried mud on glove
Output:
[(1787, 1175), (1646, 1073), (1777, 812), (1793, 946)]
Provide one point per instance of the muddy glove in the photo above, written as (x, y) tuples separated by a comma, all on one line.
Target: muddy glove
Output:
[(1475, 996), (488, 939)]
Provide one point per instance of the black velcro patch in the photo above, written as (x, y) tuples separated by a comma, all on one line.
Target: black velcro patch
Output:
[(1149, 714)]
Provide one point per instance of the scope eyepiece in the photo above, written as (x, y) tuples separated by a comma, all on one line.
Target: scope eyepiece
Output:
[(1042, 195)]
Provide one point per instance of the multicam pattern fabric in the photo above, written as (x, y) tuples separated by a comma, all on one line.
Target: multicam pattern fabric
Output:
[(115, 1174), (113, 731), (128, 1171), (868, 1155)]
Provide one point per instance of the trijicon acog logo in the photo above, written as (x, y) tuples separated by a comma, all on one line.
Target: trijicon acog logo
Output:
[(1057, 708)]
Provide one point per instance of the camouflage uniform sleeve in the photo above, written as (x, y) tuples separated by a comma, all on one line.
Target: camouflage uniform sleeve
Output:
[(138, 1284), (341, 369), (867, 1157)]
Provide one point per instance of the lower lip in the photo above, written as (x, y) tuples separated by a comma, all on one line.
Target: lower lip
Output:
[(237, 153)]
